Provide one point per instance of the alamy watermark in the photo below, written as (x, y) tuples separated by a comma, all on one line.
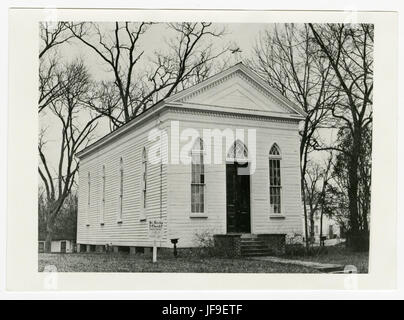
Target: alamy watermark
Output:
[(218, 146)]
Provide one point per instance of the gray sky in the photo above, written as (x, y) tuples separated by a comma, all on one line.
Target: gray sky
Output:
[(243, 35)]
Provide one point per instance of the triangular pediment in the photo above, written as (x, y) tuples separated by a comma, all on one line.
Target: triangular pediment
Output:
[(237, 89), (237, 93)]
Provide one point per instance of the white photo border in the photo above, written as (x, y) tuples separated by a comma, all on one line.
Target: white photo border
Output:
[(22, 257)]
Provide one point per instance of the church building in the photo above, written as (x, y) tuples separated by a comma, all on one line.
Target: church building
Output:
[(218, 158)]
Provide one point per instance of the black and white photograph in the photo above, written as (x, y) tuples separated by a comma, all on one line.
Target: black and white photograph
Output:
[(189, 152), (205, 147)]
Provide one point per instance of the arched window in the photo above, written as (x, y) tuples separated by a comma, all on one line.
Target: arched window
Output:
[(88, 198), (144, 184), (274, 151), (103, 196), (238, 152), (275, 186), (198, 178), (120, 190)]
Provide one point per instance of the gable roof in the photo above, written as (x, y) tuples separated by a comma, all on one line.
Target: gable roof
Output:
[(237, 100), (248, 76)]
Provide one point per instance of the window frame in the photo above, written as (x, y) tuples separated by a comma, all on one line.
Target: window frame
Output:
[(143, 184), (199, 151), (88, 198), (121, 191), (103, 193), (276, 157)]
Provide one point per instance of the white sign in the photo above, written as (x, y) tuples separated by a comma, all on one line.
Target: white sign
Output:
[(155, 233), (155, 229)]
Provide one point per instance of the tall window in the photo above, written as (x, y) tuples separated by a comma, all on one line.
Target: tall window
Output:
[(88, 198), (103, 196), (120, 190), (275, 186), (144, 184), (198, 178)]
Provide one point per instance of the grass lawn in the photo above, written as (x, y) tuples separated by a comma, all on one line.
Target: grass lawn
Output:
[(338, 254), (124, 262), (121, 262)]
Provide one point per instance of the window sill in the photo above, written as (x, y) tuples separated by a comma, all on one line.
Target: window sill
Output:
[(276, 216), (198, 215)]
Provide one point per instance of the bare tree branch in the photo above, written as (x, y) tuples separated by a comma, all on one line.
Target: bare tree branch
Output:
[(350, 52), (189, 60), (69, 108)]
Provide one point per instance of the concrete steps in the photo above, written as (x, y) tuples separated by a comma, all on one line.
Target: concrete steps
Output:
[(252, 247)]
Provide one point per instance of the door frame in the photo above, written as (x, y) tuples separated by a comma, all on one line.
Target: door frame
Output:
[(233, 162), (65, 249)]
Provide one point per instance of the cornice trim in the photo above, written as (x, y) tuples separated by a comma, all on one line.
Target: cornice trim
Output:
[(234, 115)]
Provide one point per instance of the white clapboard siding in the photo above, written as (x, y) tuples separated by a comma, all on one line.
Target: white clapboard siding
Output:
[(131, 231), (185, 226), (177, 185), (233, 99)]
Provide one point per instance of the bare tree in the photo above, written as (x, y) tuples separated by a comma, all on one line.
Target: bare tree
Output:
[(313, 194), (189, 59), (326, 178), (365, 174), (49, 82), (340, 180), (349, 50), (286, 57), (317, 180), (51, 36), (76, 132)]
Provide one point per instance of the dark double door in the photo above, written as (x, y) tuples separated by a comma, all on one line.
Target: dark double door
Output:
[(238, 198)]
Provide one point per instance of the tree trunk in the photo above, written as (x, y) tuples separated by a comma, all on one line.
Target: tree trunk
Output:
[(50, 221), (311, 225), (321, 226), (48, 238), (366, 207), (353, 183), (306, 235), (365, 217)]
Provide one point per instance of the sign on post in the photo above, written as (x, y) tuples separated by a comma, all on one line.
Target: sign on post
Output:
[(155, 233)]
